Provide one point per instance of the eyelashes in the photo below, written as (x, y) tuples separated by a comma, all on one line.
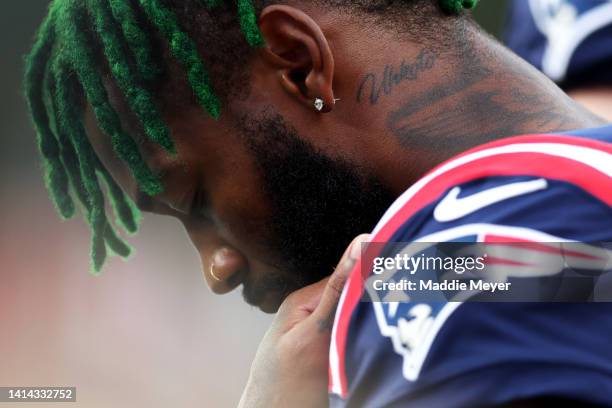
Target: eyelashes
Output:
[(200, 205)]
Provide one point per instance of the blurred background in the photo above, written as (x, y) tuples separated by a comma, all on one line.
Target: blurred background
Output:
[(147, 333)]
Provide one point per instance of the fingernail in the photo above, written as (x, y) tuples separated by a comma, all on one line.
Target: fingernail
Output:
[(357, 246)]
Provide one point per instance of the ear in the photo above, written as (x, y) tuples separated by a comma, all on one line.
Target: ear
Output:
[(297, 48)]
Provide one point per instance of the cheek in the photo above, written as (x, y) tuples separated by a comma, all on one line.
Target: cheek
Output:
[(240, 208), (232, 183)]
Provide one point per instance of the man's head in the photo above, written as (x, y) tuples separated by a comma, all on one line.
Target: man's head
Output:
[(204, 110)]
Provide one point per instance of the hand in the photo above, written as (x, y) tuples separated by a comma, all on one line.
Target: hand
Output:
[(291, 365)]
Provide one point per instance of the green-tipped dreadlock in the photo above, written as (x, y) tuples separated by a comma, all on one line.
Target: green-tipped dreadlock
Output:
[(56, 178), (63, 68), (185, 51), (455, 6), (136, 37), (248, 22)]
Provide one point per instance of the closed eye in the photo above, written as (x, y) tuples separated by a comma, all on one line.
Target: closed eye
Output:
[(199, 206)]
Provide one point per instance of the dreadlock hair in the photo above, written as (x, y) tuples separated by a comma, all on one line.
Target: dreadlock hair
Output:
[(81, 41)]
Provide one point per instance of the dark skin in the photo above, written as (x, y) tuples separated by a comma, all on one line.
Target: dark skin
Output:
[(405, 106)]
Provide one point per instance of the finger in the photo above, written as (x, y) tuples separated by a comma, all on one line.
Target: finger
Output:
[(326, 308)]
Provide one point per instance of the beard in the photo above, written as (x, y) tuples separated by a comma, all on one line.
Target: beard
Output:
[(319, 204)]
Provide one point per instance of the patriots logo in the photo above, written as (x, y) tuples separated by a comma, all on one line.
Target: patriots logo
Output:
[(566, 23), (412, 329), (412, 324)]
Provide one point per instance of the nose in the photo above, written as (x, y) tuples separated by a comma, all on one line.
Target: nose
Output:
[(224, 270)]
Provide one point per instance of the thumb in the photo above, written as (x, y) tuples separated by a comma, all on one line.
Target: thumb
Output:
[(325, 310)]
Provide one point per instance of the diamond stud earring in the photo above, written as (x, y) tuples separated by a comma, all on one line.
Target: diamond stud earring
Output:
[(319, 104)]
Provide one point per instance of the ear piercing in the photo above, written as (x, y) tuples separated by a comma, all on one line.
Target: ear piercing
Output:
[(319, 104), (212, 272)]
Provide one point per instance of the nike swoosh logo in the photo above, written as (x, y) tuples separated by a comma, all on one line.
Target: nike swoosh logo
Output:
[(452, 208)]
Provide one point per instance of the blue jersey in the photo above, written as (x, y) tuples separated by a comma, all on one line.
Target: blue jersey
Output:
[(452, 354), (568, 40)]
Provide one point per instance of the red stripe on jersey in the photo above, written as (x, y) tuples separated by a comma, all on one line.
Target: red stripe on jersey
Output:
[(571, 140), (491, 260), (537, 246)]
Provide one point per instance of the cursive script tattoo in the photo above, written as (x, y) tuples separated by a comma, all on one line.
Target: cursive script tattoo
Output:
[(373, 87)]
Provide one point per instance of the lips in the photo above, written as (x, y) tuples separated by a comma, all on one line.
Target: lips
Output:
[(264, 284), (266, 301)]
